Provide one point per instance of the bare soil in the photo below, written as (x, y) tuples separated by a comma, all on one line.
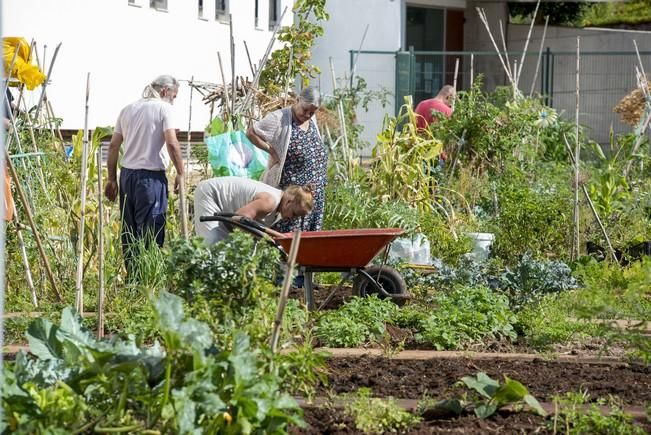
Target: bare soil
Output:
[(412, 379)]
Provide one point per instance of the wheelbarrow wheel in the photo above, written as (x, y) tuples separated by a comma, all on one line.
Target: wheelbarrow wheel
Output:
[(390, 280)]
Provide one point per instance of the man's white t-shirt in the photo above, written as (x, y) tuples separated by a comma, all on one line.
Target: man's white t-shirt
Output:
[(142, 125)]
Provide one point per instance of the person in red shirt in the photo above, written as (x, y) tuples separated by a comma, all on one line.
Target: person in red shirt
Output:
[(441, 103)]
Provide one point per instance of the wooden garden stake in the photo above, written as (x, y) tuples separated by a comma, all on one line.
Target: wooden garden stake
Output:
[(263, 62), (79, 294), (291, 264), (37, 237), (456, 73), (184, 212), (506, 53), (542, 43), (100, 246), (44, 85), (188, 145), (526, 44), (577, 154), (342, 117), (611, 250), (23, 255), (226, 106), (359, 50), (248, 56), (484, 20), (233, 95)]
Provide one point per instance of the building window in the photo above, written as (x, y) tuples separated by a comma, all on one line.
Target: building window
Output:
[(221, 10), (274, 13), (158, 4), (200, 10)]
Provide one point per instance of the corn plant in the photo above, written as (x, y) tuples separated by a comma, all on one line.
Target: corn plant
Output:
[(403, 161)]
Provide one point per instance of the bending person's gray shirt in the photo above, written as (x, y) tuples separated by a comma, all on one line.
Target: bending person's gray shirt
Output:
[(227, 195)]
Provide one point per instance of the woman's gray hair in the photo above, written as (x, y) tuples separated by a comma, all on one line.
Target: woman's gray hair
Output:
[(154, 89), (310, 95)]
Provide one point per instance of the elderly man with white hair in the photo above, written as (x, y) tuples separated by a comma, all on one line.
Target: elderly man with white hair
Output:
[(145, 127)]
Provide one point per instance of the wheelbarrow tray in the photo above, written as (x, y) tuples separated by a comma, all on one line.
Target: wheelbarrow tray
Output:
[(340, 248)]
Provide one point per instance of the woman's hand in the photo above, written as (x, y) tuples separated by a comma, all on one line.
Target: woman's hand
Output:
[(273, 157)]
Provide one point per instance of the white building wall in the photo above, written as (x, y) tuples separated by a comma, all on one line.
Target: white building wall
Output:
[(344, 32), (124, 47)]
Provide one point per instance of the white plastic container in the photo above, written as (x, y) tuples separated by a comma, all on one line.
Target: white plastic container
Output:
[(481, 244), (411, 250)]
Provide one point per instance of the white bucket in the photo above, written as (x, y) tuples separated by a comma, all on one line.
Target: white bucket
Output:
[(481, 244)]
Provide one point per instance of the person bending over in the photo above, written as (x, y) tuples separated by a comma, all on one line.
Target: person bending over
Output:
[(249, 198)]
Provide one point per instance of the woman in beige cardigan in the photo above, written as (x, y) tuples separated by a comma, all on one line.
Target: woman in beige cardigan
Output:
[(297, 154)]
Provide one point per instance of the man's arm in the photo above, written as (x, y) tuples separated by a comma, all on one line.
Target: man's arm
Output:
[(262, 204), (174, 150), (111, 189)]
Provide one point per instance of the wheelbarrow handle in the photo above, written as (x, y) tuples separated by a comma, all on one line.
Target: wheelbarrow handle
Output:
[(245, 223)]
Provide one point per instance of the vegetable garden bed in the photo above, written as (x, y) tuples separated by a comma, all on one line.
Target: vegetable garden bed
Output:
[(411, 379)]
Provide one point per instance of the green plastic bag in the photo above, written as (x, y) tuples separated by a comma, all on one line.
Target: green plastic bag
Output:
[(233, 154)]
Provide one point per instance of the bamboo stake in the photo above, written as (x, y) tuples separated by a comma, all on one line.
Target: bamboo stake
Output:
[(289, 75), (506, 52), (248, 56), (577, 154), (611, 250), (263, 62), (184, 213), (44, 85), (233, 94), (291, 264), (484, 20), (342, 117), (361, 44), (79, 294), (100, 246), (188, 145), (37, 237), (526, 44), (540, 52), (23, 255), (454, 83), (226, 106)]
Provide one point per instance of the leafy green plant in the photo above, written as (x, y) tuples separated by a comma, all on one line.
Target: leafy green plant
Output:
[(76, 383), (357, 321), (230, 274), (531, 279), (494, 396), (575, 420), (375, 415), (532, 217), (465, 315)]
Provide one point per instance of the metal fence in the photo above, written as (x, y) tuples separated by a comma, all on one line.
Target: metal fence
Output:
[(605, 78)]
